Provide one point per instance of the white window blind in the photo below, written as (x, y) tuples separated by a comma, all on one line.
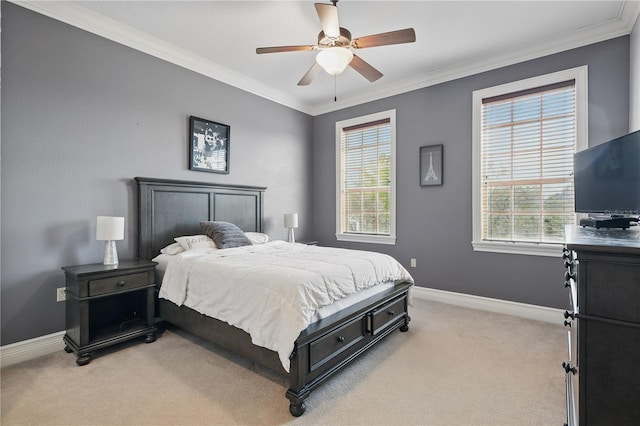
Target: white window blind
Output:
[(528, 139), (366, 179)]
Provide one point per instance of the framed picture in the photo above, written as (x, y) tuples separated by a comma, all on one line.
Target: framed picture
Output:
[(208, 145), (431, 165)]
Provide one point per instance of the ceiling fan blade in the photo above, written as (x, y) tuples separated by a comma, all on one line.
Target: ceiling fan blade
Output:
[(408, 35), (310, 75), (277, 49), (367, 71), (328, 15)]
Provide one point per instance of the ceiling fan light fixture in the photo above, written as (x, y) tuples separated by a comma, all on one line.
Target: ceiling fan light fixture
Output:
[(334, 60)]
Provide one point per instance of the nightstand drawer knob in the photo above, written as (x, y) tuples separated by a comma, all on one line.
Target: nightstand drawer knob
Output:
[(121, 283), (391, 312), (340, 339)]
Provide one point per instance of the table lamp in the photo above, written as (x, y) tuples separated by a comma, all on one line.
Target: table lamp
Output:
[(110, 229), (291, 222)]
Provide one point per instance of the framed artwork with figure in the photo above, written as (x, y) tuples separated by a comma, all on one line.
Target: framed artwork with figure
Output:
[(208, 145), (431, 165)]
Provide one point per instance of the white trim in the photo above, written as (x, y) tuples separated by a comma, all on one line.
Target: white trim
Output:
[(580, 74), (45, 345), (368, 238), (523, 310), (30, 349), (533, 249), (87, 20)]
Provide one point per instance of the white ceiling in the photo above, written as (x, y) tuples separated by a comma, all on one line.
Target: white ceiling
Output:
[(453, 39)]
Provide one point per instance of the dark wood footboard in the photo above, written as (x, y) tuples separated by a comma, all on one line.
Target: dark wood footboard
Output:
[(320, 351), (330, 344)]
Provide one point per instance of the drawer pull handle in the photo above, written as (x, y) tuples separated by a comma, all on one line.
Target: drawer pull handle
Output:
[(569, 368), (391, 312), (121, 283), (568, 314), (340, 339)]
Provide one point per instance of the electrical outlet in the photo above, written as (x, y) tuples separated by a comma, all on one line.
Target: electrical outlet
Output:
[(413, 263), (61, 295)]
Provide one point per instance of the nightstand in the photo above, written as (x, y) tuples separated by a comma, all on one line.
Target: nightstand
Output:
[(108, 304)]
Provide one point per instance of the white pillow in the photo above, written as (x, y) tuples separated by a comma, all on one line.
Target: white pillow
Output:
[(195, 241), (173, 248), (257, 237)]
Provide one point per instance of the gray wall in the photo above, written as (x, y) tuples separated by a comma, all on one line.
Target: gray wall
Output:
[(81, 116), (434, 223)]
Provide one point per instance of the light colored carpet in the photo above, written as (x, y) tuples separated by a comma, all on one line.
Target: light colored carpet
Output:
[(455, 366)]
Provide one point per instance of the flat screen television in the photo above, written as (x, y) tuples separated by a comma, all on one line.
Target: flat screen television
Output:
[(607, 177)]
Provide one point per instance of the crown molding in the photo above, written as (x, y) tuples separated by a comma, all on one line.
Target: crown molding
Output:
[(87, 20), (77, 16), (627, 16)]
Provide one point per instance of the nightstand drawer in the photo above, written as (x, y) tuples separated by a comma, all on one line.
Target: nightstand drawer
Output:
[(121, 283)]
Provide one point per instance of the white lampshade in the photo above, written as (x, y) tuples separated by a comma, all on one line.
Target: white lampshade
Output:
[(110, 228), (291, 220), (334, 59)]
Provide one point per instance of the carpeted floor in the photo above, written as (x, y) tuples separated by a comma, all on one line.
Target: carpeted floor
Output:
[(455, 366)]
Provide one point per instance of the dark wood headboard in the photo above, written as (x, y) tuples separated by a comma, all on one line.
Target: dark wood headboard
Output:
[(172, 208)]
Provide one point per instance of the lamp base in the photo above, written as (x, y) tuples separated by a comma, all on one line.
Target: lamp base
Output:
[(291, 238), (110, 254)]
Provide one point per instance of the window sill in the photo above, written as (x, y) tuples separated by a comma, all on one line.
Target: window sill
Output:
[(365, 238), (532, 249)]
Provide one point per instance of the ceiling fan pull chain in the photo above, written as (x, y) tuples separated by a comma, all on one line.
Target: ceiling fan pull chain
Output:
[(335, 89)]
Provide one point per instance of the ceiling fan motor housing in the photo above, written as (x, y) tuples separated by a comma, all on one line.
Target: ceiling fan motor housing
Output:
[(343, 41)]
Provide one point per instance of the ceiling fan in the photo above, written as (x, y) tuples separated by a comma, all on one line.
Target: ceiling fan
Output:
[(335, 44)]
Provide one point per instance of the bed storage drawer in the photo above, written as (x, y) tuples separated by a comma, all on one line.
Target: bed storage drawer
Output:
[(332, 344), (119, 283), (382, 317)]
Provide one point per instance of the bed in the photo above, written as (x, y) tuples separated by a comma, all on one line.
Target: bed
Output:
[(171, 208)]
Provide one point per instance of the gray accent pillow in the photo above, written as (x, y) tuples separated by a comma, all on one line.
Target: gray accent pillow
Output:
[(225, 234)]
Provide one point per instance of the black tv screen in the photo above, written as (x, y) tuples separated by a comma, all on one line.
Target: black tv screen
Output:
[(607, 177)]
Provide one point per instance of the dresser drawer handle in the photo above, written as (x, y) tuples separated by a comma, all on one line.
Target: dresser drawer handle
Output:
[(569, 368), (340, 339), (391, 312), (121, 283)]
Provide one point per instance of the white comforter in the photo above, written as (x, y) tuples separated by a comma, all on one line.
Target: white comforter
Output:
[(272, 290)]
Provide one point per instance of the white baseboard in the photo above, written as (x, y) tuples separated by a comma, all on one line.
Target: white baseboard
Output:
[(44, 345), (30, 349), (534, 312)]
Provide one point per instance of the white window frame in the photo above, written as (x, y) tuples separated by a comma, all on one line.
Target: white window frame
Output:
[(367, 238), (579, 74)]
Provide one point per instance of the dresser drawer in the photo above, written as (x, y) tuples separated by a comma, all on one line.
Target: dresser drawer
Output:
[(610, 290), (327, 347), (387, 314), (119, 283)]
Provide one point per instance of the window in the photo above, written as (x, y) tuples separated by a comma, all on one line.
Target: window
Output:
[(524, 137), (365, 179)]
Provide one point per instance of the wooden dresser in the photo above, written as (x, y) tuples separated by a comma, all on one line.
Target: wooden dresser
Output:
[(603, 323)]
